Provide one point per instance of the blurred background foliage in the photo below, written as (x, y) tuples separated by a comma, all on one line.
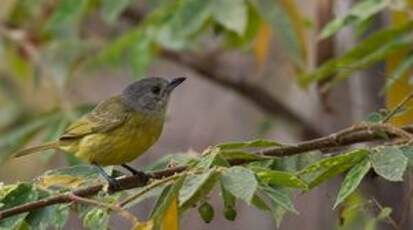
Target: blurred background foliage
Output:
[(46, 44)]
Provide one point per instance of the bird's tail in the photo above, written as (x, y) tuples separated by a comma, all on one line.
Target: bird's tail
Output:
[(35, 149)]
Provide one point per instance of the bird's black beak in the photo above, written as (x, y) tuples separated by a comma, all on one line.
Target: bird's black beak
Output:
[(174, 83)]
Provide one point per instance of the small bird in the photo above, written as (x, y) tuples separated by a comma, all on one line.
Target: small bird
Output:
[(119, 129)]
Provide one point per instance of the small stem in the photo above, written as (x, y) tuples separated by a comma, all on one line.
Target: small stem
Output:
[(397, 108), (122, 212)]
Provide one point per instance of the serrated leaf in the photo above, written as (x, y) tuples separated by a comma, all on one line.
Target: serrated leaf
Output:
[(390, 163), (232, 14), (112, 9), (361, 11), (372, 49), (240, 182), (249, 144), (281, 178), (352, 180), (280, 198), (196, 187)]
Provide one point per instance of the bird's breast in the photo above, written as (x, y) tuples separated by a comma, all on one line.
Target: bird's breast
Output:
[(122, 144)]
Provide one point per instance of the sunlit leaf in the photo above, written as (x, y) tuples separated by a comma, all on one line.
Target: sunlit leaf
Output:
[(240, 182), (390, 163), (361, 11), (352, 180), (232, 14)]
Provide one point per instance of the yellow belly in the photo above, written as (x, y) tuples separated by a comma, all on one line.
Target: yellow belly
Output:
[(118, 146)]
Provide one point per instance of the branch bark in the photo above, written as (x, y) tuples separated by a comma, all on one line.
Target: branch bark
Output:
[(352, 135)]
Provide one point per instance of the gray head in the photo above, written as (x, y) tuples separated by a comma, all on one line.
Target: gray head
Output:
[(150, 95)]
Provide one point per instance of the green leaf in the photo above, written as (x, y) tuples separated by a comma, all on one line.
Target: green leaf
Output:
[(112, 9), (196, 187), (164, 201), (408, 152), (280, 198), (54, 216), (281, 178), (353, 156), (154, 192), (359, 12), (65, 15), (249, 144), (14, 196), (230, 212), (241, 155), (232, 14), (402, 68), (352, 180), (206, 211), (211, 157), (372, 49), (277, 212), (390, 163), (332, 166), (283, 26), (240, 182), (234, 40), (185, 21), (96, 219)]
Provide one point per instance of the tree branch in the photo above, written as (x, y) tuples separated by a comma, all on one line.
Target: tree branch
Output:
[(352, 135)]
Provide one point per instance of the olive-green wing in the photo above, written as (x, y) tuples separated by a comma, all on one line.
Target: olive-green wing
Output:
[(108, 115)]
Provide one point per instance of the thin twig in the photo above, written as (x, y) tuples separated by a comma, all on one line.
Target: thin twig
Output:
[(122, 212), (397, 108), (389, 218)]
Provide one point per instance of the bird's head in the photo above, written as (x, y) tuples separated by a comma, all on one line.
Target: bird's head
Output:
[(150, 95)]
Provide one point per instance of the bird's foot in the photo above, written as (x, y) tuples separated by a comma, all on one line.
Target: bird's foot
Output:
[(140, 174)]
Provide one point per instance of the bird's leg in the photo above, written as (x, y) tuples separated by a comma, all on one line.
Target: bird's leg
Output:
[(114, 184), (142, 176)]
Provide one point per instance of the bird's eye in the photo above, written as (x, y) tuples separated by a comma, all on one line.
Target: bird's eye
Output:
[(156, 90)]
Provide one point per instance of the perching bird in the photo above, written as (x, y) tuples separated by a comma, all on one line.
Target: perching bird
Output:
[(119, 129)]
